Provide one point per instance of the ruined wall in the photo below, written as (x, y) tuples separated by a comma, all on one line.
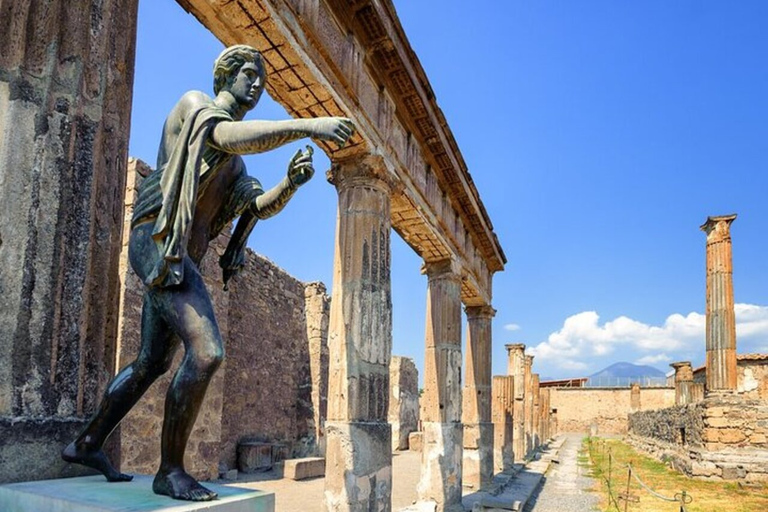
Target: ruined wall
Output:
[(403, 400), (751, 376), (608, 408), (268, 378), (724, 436)]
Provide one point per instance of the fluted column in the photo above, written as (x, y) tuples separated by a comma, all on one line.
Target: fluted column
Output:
[(358, 445), (528, 378), (476, 409), (441, 456), (721, 318), (683, 382), (516, 369), (545, 414), (66, 86), (502, 410), (536, 410)]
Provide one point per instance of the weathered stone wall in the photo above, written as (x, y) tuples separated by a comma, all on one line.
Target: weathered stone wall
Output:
[(751, 376), (724, 436), (268, 378), (403, 400), (608, 408)]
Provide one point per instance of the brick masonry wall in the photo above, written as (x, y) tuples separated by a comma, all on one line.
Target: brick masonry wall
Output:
[(268, 379), (608, 408)]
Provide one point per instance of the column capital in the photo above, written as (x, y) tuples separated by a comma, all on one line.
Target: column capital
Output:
[(363, 169), (446, 268), (515, 347), (474, 312), (718, 227), (528, 360), (683, 371)]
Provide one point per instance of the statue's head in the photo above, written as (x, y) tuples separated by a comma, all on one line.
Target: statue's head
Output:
[(240, 70)]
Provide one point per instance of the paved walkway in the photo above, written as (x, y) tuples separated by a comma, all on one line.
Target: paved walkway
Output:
[(565, 487)]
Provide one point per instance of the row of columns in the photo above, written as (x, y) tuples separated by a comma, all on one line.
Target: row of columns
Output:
[(457, 426), (522, 414)]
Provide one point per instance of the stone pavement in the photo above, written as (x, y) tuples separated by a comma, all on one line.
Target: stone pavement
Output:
[(566, 485), (541, 486)]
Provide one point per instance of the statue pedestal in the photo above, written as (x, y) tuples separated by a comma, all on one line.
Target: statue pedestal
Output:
[(95, 494)]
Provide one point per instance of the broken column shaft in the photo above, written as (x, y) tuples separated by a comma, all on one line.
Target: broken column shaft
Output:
[(721, 319), (516, 369), (528, 405), (502, 410), (683, 382)]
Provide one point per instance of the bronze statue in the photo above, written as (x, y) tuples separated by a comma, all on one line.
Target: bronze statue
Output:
[(200, 185)]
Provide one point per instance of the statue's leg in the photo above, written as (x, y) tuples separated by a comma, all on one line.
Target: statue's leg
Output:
[(155, 356), (190, 314)]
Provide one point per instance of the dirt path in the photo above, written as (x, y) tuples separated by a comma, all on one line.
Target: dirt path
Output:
[(566, 485)]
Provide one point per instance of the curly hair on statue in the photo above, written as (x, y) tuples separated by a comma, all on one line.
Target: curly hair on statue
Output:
[(230, 61)]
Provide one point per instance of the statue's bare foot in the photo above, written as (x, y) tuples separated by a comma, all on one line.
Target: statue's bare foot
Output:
[(95, 459), (180, 486)]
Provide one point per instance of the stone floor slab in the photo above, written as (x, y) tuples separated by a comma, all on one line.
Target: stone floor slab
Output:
[(94, 494)]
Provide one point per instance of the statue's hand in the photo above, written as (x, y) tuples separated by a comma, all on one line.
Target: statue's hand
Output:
[(334, 129), (300, 168)]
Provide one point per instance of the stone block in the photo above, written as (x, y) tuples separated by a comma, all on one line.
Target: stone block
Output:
[(365, 450), (415, 441), (441, 473), (255, 456), (733, 472), (731, 436), (95, 494), (301, 469)]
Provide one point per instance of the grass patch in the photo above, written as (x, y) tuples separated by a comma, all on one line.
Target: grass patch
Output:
[(611, 456)]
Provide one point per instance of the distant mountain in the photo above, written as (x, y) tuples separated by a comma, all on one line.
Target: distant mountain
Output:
[(625, 373)]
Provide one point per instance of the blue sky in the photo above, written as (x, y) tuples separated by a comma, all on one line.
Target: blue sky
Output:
[(599, 134)]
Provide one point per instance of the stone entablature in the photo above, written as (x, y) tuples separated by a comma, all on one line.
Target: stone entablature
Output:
[(353, 59)]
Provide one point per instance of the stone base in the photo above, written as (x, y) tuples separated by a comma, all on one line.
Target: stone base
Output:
[(358, 466), (477, 471), (95, 494), (415, 441), (441, 465)]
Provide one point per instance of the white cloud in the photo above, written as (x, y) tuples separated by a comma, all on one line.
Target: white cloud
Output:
[(583, 336), (653, 359), (512, 327)]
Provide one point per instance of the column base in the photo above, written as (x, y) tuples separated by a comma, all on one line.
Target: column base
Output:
[(441, 465), (358, 466), (477, 470)]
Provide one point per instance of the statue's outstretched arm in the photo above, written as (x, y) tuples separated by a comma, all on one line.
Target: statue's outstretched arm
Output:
[(248, 137)]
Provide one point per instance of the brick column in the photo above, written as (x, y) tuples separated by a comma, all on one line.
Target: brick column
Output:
[(528, 383), (441, 456), (536, 429), (683, 382), (66, 85), (476, 408), (721, 319), (502, 410), (516, 368), (358, 444)]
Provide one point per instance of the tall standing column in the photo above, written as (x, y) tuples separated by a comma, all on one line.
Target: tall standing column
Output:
[(441, 456), (503, 400), (683, 382), (536, 410), (66, 85), (516, 368), (358, 444), (721, 318), (476, 408), (545, 414), (528, 377)]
